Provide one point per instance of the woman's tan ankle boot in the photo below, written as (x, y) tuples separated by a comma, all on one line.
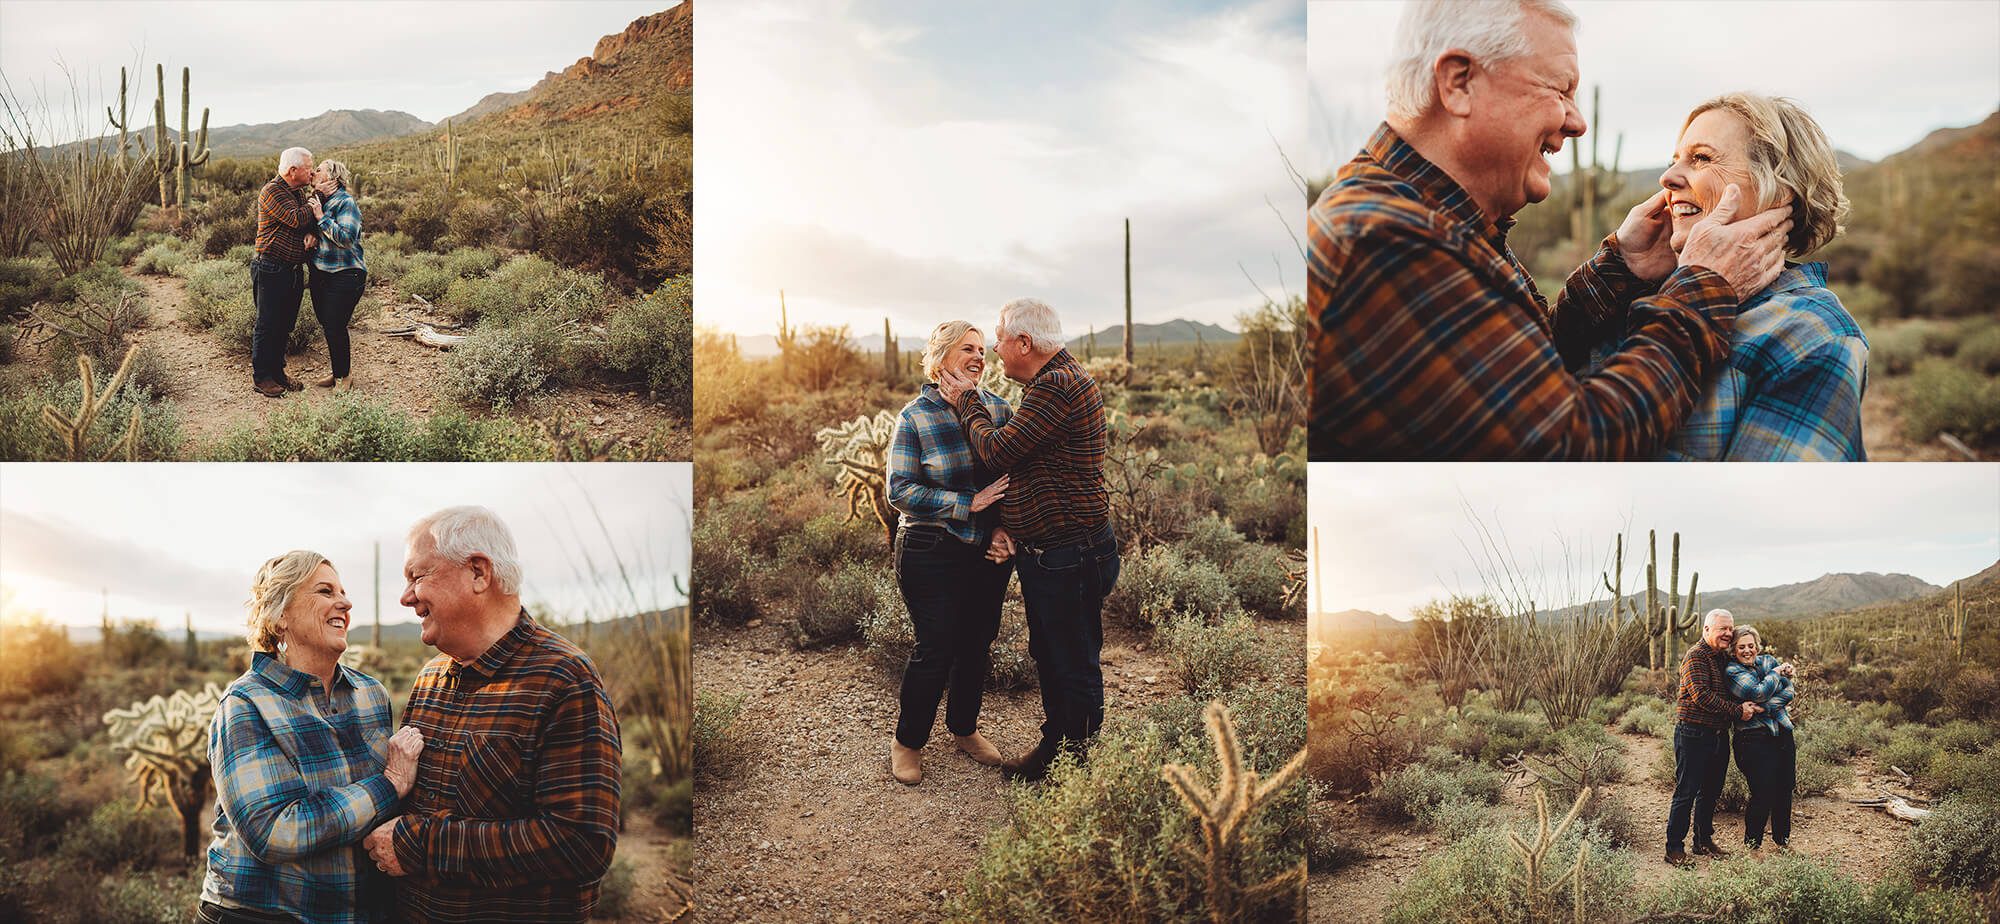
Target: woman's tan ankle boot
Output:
[(905, 764)]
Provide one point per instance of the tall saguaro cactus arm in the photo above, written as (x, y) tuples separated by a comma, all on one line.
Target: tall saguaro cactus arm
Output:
[(1224, 811)]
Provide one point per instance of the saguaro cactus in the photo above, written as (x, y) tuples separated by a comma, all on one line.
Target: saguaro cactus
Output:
[(888, 352), (446, 154), (167, 738), (187, 158), (1668, 623), (1128, 296), (859, 452), (1591, 185), (122, 121), (1951, 621), (1223, 813)]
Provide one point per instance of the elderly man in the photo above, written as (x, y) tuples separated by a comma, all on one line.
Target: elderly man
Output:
[(285, 221), (515, 812), (1703, 712), (1058, 513), (1432, 340)]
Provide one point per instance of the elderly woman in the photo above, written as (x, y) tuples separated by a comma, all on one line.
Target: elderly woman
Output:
[(1798, 363), (303, 759), (338, 274), (952, 562), (1765, 749)]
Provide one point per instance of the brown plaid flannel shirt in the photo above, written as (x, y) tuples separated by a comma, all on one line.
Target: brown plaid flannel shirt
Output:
[(283, 221), (1052, 450)]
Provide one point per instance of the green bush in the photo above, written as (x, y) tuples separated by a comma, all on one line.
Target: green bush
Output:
[(228, 233), (502, 366), (1897, 349), (1214, 539), (1790, 888), (1480, 879), (653, 338), (728, 577), (1431, 790), (426, 220), (118, 836), (614, 892), (34, 812), (1211, 658), (25, 281), (717, 740), (426, 281), (1975, 774), (475, 223), (470, 261), (1257, 576), (353, 428), (240, 254), (1959, 844), (1651, 717), (828, 541), (1945, 397), (1164, 580), (26, 437), (1979, 347), (1106, 839), (841, 601), (159, 260)]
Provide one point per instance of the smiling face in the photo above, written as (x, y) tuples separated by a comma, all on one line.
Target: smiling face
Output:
[(1713, 152), (967, 356), (1016, 355), (317, 618), (1523, 109), (442, 592), (1719, 631), (1746, 649)]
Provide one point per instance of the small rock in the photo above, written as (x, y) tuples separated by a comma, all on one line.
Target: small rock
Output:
[(1149, 679)]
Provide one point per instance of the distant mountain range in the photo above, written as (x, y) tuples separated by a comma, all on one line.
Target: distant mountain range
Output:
[(393, 633), (331, 129), (1165, 333)]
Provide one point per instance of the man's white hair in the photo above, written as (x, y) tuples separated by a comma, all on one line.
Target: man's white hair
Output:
[(462, 532), (1033, 317), (1709, 619), (294, 157), (1490, 31)]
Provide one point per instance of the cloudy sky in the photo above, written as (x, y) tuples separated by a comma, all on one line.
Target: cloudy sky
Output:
[(168, 539), (1878, 76), (1398, 535), (926, 161), (267, 62)]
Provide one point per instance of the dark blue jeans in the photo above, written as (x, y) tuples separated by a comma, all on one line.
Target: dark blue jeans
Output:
[(334, 298), (1064, 587), (953, 594), (277, 289), (1770, 764), (1701, 760)]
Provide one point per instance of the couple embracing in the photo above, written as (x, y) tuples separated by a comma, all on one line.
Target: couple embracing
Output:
[(308, 239), (1687, 336), (1731, 693), (496, 801), (984, 490)]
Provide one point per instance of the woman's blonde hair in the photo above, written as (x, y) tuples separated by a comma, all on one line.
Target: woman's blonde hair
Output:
[(1749, 631), (339, 172), (1789, 155), (943, 338), (271, 593)]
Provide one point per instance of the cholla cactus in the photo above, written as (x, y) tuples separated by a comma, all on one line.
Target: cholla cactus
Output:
[(998, 383), (1225, 811), (167, 738), (73, 430), (859, 452), (1534, 854)]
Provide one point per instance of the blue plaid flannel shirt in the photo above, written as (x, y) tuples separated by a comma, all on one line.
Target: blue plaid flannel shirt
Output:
[(1791, 391), (932, 472), (339, 235), (299, 782), (1764, 686)]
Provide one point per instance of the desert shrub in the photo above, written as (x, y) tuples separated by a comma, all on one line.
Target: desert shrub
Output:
[(501, 366), (614, 891), (470, 261), (1257, 576), (1866, 684), (425, 220), (1214, 539), (135, 643), (1163, 580), (1962, 736), (1651, 718), (34, 812), (1209, 658), (1897, 349), (1112, 820), (1326, 851), (840, 602), (354, 428), (527, 286), (37, 660), (97, 321), (1908, 749), (118, 836), (26, 437), (1973, 693), (159, 260), (727, 582), (1479, 878), (670, 803), (1816, 777), (1791, 887), (151, 372), (474, 223), (428, 281), (1959, 844), (828, 541), (1419, 791), (1979, 350), (25, 281), (228, 232), (1973, 774), (390, 241), (1945, 397), (1918, 689), (717, 740), (1488, 734), (603, 231), (652, 338), (1267, 509), (240, 254)]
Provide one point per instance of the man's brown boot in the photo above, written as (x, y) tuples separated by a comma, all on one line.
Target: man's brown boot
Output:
[(979, 749), (905, 764), (1680, 858), (1710, 849), (269, 389)]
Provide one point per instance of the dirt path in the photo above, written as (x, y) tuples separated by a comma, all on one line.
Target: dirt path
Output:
[(1857, 840), (809, 825), (212, 379), (659, 869)]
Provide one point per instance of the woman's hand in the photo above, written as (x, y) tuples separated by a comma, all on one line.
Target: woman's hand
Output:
[(310, 242), (1644, 239), (990, 496), (319, 211), (1002, 546), (404, 746)]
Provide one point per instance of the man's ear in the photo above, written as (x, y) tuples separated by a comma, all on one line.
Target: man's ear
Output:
[(482, 572), (1453, 75)]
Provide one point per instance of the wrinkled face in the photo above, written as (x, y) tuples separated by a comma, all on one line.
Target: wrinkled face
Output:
[(300, 174), (1016, 356), (316, 619), (967, 356), (1719, 632), (443, 594), (1713, 152), (1746, 649), (1522, 110)]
